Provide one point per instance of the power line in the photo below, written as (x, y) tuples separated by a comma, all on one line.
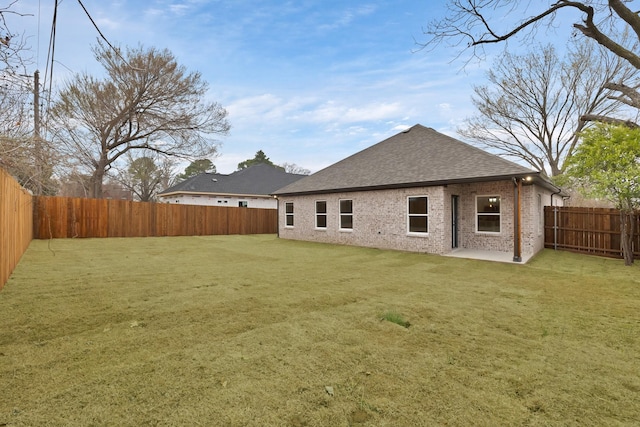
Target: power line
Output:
[(102, 36), (52, 43), (38, 34), (52, 48)]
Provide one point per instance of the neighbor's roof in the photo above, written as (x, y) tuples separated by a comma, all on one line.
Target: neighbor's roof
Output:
[(418, 156), (256, 180)]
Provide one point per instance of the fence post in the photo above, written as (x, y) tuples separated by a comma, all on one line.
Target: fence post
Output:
[(555, 228)]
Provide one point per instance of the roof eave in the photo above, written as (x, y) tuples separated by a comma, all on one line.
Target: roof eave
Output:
[(410, 184), (202, 193)]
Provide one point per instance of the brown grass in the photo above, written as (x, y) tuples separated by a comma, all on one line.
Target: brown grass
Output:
[(251, 330)]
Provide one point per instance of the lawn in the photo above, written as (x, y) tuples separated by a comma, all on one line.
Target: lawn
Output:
[(257, 331)]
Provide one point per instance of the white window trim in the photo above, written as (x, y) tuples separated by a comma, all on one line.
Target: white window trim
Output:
[(416, 233), (326, 215), (499, 214), (292, 214), (340, 214)]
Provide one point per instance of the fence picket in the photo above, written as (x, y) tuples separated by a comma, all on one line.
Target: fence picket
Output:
[(64, 217), (594, 231), (16, 224)]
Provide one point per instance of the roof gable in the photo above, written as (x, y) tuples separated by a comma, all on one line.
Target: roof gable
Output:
[(416, 156), (260, 179)]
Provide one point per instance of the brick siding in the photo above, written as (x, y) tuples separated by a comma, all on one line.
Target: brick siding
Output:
[(380, 218)]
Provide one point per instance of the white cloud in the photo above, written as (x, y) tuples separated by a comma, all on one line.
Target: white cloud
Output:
[(400, 128), (254, 106), (179, 9), (153, 12), (267, 108), (106, 24), (346, 17), (342, 112)]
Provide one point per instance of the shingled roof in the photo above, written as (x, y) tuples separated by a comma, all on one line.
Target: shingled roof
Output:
[(256, 180), (418, 156)]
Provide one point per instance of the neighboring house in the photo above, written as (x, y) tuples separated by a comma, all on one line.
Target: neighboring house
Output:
[(250, 187), (420, 191)]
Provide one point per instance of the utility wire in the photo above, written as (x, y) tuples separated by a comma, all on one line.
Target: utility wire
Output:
[(52, 43), (38, 35), (102, 36), (52, 49), (48, 74)]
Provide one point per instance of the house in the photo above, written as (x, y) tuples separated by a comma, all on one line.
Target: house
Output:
[(420, 191), (250, 187)]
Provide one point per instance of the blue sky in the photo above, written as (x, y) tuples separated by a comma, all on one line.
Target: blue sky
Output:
[(308, 82)]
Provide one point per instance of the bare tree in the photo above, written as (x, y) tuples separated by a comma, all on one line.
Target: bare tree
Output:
[(293, 168), (478, 23), (12, 45), (22, 152), (144, 176), (146, 102), (31, 164), (74, 183), (532, 109), (29, 158)]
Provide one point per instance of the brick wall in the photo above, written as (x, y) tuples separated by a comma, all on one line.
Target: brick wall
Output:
[(380, 218), (469, 238)]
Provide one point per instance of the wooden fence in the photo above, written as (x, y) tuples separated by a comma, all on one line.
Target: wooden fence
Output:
[(16, 224), (61, 217), (594, 231)]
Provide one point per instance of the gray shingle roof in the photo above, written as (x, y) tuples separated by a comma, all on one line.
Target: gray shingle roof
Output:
[(417, 156), (260, 179)]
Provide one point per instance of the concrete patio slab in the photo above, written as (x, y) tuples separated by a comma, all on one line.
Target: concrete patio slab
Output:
[(487, 255)]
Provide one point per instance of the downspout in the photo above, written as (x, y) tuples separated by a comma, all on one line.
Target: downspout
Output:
[(278, 215), (517, 253)]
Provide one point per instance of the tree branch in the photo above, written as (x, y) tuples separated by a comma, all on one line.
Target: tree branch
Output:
[(609, 120), (528, 22)]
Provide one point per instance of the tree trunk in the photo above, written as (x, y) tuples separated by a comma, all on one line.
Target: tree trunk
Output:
[(95, 184), (626, 235)]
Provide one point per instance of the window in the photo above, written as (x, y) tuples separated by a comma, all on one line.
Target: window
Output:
[(346, 214), (321, 214), (242, 204), (488, 214), (418, 214), (288, 209)]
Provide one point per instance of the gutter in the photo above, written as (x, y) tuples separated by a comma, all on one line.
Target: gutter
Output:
[(404, 185), (555, 219), (278, 216), (204, 193)]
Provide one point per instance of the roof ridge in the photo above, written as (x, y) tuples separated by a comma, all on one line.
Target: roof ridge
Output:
[(481, 151), (418, 155)]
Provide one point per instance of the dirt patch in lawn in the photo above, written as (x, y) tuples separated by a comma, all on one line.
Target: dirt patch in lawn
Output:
[(255, 331)]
